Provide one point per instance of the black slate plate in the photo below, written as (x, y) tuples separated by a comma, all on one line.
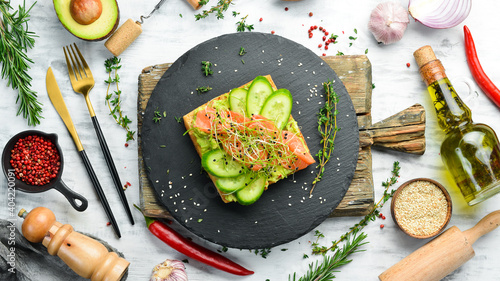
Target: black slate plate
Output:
[(285, 211)]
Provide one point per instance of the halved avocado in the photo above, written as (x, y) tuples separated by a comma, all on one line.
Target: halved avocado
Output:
[(100, 29)]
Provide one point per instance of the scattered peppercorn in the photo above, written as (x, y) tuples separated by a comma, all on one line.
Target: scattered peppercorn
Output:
[(310, 14), (260, 19), (407, 64), (286, 8), (108, 223), (126, 144), (381, 226), (272, 32)]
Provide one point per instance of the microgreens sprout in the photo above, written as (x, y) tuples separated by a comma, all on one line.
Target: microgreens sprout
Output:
[(252, 142)]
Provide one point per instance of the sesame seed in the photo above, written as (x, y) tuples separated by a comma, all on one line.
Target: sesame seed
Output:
[(421, 208)]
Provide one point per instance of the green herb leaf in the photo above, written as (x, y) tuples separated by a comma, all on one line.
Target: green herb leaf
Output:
[(241, 26), (206, 68), (203, 89), (218, 10), (15, 40), (113, 100)]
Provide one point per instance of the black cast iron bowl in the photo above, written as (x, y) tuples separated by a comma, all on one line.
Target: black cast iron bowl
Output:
[(76, 200)]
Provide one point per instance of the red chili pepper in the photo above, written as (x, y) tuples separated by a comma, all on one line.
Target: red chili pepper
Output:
[(477, 71), (191, 249)]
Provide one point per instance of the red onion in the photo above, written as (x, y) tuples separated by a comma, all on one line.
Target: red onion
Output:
[(439, 13)]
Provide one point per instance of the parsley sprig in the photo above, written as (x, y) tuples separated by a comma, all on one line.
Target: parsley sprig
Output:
[(15, 40), (113, 99), (327, 127)]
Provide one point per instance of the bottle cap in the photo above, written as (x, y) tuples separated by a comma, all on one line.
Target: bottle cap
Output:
[(424, 55)]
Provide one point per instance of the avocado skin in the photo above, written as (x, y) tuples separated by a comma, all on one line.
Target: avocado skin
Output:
[(115, 26)]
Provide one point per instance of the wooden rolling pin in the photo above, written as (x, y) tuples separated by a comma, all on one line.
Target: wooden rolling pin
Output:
[(442, 255), (84, 255)]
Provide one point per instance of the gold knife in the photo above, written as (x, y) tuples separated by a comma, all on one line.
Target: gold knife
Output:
[(59, 104), (57, 100)]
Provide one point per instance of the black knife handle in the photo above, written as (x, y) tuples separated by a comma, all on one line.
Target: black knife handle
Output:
[(100, 192), (112, 167)]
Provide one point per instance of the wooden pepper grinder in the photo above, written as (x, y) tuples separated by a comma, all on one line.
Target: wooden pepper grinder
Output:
[(84, 255)]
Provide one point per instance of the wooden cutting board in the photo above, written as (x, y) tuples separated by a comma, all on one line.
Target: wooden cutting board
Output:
[(403, 131)]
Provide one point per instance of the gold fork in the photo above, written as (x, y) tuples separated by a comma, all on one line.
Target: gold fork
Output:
[(82, 82)]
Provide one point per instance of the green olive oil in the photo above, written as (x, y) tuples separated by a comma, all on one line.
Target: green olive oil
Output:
[(471, 152)]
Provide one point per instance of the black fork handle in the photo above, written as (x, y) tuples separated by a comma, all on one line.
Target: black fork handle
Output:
[(100, 192), (112, 168)]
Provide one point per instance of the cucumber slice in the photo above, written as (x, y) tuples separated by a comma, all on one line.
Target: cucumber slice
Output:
[(278, 107), (220, 164), (238, 101), (252, 191), (258, 92), (230, 185)]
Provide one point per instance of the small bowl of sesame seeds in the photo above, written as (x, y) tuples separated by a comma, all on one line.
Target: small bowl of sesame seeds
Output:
[(421, 208)]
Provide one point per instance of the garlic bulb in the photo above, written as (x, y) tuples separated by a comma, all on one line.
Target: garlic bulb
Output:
[(169, 270), (388, 22)]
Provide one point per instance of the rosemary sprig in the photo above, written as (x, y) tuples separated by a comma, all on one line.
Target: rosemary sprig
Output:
[(218, 10), (353, 240), (241, 26), (113, 99), (15, 40), (369, 217), (206, 68), (327, 127), (326, 269)]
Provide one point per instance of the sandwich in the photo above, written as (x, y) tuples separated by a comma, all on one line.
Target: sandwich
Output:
[(247, 139)]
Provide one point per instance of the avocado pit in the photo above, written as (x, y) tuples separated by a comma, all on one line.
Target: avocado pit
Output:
[(85, 12)]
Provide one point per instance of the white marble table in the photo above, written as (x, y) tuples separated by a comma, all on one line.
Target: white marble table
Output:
[(167, 35)]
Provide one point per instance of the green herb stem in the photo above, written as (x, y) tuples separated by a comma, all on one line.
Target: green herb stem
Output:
[(327, 127), (241, 26), (218, 10), (371, 216), (113, 99), (15, 40)]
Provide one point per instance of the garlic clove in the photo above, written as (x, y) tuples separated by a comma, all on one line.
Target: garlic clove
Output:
[(169, 270), (388, 22)]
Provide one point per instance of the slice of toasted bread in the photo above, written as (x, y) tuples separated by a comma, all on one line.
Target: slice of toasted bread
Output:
[(189, 122)]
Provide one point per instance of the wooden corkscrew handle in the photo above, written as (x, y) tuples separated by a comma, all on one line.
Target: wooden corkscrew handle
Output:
[(84, 255)]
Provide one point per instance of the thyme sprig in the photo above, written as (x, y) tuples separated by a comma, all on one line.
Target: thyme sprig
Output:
[(371, 216), (327, 268), (241, 26), (218, 10), (327, 127), (15, 40), (113, 99)]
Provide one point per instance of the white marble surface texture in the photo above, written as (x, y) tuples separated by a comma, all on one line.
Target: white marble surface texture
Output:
[(169, 33)]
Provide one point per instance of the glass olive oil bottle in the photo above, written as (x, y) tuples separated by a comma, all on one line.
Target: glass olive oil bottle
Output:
[(471, 152)]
